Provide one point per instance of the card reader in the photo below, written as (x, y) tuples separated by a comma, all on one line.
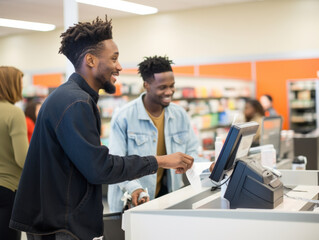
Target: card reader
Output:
[(253, 186)]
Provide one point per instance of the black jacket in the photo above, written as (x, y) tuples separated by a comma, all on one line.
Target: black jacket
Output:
[(60, 187)]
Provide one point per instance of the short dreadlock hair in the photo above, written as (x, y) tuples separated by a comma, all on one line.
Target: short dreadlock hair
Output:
[(152, 65), (83, 38), (269, 97)]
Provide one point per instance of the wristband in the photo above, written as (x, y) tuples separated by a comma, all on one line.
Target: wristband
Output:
[(143, 194)]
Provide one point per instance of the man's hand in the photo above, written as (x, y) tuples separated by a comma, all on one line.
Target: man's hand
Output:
[(212, 167), (178, 161), (135, 196)]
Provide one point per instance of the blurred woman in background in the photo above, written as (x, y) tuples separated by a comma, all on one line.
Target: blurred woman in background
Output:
[(13, 145), (31, 113), (267, 103), (254, 112)]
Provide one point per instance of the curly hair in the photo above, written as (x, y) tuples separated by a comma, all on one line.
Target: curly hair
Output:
[(30, 109), (257, 106), (83, 38), (269, 97), (155, 64)]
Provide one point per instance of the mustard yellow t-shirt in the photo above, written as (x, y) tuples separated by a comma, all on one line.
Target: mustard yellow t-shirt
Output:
[(13, 144), (161, 148)]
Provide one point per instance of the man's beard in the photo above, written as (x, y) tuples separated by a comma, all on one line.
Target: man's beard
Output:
[(165, 106), (109, 87)]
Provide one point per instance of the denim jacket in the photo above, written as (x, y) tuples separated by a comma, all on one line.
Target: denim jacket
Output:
[(133, 132), (60, 188)]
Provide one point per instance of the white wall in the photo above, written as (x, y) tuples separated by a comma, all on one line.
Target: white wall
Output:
[(226, 32), (246, 31), (35, 51)]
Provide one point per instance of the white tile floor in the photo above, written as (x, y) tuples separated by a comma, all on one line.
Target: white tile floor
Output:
[(106, 210)]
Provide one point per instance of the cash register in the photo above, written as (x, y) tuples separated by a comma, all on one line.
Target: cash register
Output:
[(250, 185)]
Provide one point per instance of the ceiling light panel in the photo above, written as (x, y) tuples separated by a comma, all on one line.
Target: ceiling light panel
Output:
[(120, 5), (26, 25)]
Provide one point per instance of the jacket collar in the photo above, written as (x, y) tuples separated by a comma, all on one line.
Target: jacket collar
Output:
[(143, 115), (78, 79)]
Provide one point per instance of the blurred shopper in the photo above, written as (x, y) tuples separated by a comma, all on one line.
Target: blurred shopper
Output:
[(254, 112), (60, 192), (267, 103), (151, 125), (13, 145), (31, 113)]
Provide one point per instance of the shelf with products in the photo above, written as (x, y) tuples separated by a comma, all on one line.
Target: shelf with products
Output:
[(110, 103), (303, 105), (34, 93), (210, 103), (211, 113), (215, 127)]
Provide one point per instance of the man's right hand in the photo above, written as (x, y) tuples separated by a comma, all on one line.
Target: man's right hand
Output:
[(135, 195), (178, 161), (212, 166)]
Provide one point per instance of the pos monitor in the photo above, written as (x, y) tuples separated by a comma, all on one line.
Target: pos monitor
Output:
[(250, 184), (237, 144), (271, 132)]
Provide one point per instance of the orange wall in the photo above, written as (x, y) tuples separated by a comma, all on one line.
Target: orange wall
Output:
[(184, 70), (129, 71), (178, 70), (240, 70), (272, 76), (48, 80)]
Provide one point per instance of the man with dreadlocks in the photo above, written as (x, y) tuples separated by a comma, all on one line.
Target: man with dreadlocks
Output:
[(59, 195), (151, 125)]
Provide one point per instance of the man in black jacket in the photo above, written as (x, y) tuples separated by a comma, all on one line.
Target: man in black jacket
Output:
[(59, 195)]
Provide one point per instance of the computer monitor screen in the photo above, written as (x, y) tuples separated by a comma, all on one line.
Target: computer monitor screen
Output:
[(270, 132), (237, 144)]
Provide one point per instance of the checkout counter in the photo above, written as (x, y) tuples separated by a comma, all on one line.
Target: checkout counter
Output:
[(308, 146), (190, 214), (200, 213)]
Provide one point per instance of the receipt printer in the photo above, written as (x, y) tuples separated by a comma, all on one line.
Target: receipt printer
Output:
[(253, 186)]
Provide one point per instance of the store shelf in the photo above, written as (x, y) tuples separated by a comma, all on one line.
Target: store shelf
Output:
[(303, 108), (209, 111), (302, 89), (131, 96), (303, 121), (303, 105), (205, 98), (215, 127)]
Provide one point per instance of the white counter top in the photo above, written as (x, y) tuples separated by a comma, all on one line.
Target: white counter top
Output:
[(185, 214)]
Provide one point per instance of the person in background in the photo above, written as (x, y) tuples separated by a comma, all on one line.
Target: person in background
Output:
[(254, 112), (267, 103), (60, 191), (151, 125), (31, 113), (13, 145)]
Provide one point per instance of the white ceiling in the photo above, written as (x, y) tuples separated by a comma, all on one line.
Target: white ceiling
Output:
[(51, 11)]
